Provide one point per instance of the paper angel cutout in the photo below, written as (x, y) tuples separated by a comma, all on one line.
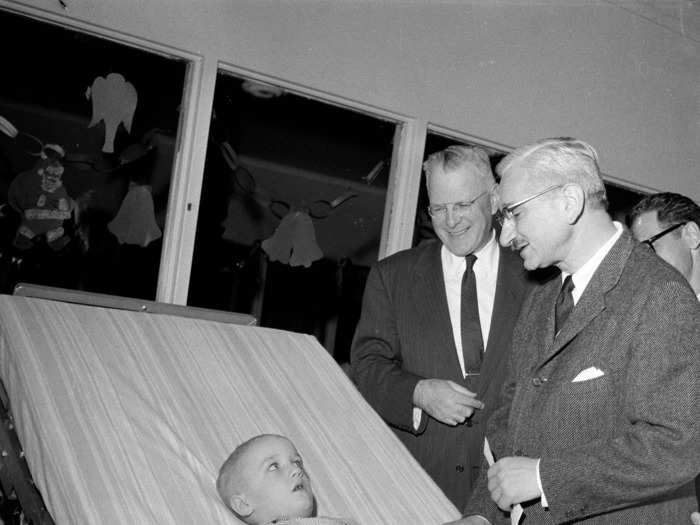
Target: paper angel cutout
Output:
[(135, 222), (294, 241), (114, 101)]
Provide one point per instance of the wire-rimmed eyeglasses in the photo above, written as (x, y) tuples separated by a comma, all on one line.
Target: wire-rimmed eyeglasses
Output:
[(439, 211), (506, 213), (651, 240)]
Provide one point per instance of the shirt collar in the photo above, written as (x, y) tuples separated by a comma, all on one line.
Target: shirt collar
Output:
[(486, 255), (583, 275)]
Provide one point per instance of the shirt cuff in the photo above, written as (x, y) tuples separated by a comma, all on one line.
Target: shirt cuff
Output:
[(417, 416), (543, 498)]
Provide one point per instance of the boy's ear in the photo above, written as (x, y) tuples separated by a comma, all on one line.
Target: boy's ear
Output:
[(240, 505)]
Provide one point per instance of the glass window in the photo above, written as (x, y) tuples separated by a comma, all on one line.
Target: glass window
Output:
[(85, 180), (291, 210)]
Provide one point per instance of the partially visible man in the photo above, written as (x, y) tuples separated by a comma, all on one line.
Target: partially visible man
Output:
[(429, 350), (669, 223), (600, 415)]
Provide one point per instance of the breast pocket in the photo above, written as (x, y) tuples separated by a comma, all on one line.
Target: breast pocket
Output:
[(578, 412)]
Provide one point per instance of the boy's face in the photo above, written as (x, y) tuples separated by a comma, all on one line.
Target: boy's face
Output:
[(277, 485)]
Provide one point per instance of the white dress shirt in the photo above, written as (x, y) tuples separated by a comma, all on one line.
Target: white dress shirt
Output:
[(486, 273)]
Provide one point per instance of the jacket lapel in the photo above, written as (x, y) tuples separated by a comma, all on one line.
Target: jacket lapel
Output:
[(592, 302), (506, 305), (430, 298)]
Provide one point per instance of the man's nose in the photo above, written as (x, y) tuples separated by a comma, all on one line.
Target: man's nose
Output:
[(451, 216), (507, 234)]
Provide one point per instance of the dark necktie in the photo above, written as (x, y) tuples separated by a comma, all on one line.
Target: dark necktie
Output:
[(472, 341), (564, 305)]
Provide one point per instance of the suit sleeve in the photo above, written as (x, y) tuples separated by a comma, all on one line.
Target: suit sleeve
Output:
[(376, 356), (656, 447)]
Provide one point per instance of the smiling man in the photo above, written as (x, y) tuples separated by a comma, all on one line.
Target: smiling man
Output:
[(599, 422), (429, 350)]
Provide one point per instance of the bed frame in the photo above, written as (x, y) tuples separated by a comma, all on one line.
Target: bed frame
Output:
[(15, 478)]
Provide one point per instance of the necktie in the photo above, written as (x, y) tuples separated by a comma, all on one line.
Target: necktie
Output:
[(564, 304), (472, 341)]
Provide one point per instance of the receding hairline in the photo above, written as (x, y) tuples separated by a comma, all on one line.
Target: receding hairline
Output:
[(524, 154), (457, 157)]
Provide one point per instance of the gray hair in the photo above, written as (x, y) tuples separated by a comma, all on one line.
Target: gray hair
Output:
[(457, 156), (560, 160)]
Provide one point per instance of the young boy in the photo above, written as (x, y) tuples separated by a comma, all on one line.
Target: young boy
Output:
[(263, 481)]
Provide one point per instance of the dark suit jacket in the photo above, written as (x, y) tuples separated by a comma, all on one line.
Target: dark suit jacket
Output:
[(404, 335), (622, 448)]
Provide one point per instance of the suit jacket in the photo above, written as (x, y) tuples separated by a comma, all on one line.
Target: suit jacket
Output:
[(404, 335), (622, 448)]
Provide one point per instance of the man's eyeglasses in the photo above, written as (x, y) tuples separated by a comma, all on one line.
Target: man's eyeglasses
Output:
[(651, 240), (439, 211), (506, 213)]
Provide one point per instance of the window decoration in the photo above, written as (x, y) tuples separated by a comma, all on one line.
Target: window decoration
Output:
[(294, 240), (113, 102)]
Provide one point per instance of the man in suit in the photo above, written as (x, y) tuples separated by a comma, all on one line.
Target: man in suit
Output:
[(669, 223), (429, 349), (599, 420)]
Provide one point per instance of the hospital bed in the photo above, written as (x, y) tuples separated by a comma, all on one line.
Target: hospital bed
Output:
[(124, 415)]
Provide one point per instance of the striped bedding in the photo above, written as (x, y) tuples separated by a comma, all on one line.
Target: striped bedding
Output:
[(125, 417)]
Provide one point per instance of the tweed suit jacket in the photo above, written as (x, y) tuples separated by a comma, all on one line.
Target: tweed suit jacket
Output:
[(624, 447), (404, 335)]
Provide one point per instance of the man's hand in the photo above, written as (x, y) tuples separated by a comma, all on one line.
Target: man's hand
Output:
[(513, 480), (445, 400), (470, 520), (694, 518)]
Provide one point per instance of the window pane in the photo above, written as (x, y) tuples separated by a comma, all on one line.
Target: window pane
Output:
[(90, 215), (291, 210)]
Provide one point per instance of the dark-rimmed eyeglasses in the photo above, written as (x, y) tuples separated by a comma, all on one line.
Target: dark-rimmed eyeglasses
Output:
[(506, 213), (651, 240), (439, 211)]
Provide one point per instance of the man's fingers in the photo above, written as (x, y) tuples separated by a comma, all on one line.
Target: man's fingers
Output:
[(470, 403), (459, 388)]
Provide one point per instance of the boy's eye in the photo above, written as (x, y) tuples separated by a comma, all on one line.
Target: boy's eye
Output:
[(273, 466), (298, 462)]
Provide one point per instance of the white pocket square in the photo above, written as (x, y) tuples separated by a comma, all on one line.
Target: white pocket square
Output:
[(588, 374)]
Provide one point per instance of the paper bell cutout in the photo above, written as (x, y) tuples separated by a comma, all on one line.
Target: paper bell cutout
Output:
[(114, 102), (294, 241), (135, 222)]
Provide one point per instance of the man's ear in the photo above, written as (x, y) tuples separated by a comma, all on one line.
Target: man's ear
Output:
[(240, 505), (690, 233), (495, 199), (574, 199)]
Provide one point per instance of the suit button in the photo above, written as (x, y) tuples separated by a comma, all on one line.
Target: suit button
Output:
[(538, 381), (459, 468)]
